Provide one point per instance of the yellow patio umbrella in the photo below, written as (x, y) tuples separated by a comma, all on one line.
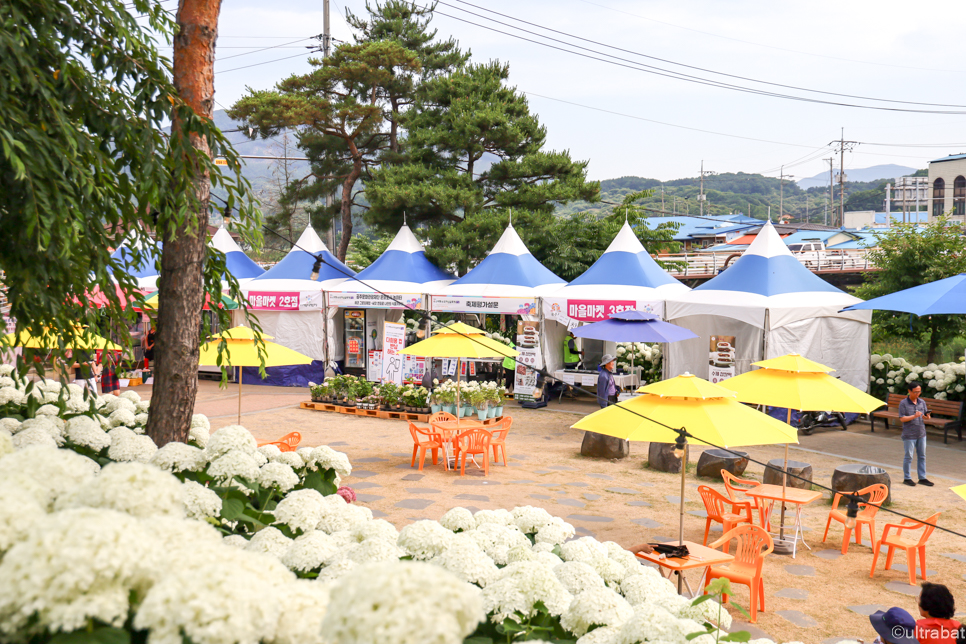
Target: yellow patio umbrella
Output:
[(460, 341), (795, 382), (707, 412), (243, 352), (960, 490), (86, 340)]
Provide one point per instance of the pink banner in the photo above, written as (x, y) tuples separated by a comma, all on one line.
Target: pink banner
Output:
[(273, 301), (596, 310)]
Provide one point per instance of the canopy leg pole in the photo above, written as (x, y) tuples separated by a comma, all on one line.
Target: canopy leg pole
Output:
[(684, 460), (459, 411), (781, 528), (239, 395)]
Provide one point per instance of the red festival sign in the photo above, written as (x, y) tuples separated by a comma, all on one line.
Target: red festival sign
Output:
[(596, 310)]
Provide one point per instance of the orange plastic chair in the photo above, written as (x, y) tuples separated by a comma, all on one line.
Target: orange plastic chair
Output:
[(474, 441), (498, 439), (898, 541), (754, 544), (876, 495), (435, 443), (714, 504), (441, 416), (287, 443), (736, 487)]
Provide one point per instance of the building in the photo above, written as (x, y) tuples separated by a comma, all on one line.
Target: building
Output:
[(947, 177), (859, 219), (695, 232), (908, 195)]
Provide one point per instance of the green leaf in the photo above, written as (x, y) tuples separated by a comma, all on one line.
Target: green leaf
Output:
[(102, 635), (737, 636), (232, 509), (740, 609), (700, 599)]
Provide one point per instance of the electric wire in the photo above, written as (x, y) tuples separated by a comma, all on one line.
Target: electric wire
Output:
[(681, 431)]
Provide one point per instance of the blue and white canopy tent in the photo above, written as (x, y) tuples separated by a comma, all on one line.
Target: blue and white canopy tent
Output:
[(236, 261), (287, 302), (399, 279), (145, 270), (765, 305), (624, 278)]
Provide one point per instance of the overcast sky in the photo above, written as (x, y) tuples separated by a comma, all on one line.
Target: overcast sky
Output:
[(880, 49)]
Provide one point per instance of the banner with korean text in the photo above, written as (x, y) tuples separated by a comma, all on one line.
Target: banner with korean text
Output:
[(466, 304), (569, 311)]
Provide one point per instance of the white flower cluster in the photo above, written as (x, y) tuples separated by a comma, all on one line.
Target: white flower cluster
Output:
[(891, 374), (647, 357)]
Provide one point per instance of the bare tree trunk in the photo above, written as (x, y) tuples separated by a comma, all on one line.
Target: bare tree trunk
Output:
[(350, 181), (181, 285)]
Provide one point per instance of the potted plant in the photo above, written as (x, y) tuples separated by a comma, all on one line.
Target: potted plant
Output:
[(434, 403), (389, 393), (479, 399), (421, 400), (318, 392)]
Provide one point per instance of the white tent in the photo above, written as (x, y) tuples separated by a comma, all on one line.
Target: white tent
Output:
[(624, 278), (286, 301), (237, 262), (145, 270), (770, 304)]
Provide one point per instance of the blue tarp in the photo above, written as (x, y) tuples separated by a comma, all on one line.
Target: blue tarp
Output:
[(289, 376)]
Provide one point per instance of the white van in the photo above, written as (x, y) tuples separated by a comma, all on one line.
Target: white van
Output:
[(811, 253)]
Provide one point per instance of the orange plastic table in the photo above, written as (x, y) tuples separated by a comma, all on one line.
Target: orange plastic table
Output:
[(699, 557), (449, 429), (773, 493)]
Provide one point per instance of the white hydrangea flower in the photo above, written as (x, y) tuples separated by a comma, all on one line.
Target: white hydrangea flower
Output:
[(586, 549), (53, 425), (235, 541), (879, 365), (610, 571), (555, 533), (142, 407), (233, 464), (310, 551), (135, 488), (630, 563), (458, 520), (198, 436), (10, 424), (603, 635), (108, 557), (46, 471), (114, 403), (324, 457), (121, 418), (300, 510), (131, 395), (6, 443), (376, 529), (86, 432), (200, 420), (464, 557), (6, 370), (34, 436), (530, 519), (336, 571), (270, 541), (548, 559), (11, 395), (179, 457), (708, 611), (647, 587), (520, 553), (402, 603), (577, 577), (304, 605), (126, 446), (48, 410), (337, 515), (496, 540), (269, 451), (375, 550), (596, 607), (199, 501), (141, 420), (231, 438), (499, 516), (519, 586), (19, 511), (277, 475), (653, 623), (291, 459), (424, 539)]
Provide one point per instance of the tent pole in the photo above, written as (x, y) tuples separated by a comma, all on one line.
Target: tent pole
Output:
[(459, 412), (239, 394), (684, 460), (781, 528)]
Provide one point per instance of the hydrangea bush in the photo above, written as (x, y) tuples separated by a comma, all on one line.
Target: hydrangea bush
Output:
[(640, 354), (890, 374)]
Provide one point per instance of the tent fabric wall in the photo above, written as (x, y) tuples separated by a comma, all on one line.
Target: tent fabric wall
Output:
[(837, 343), (300, 331), (691, 356)]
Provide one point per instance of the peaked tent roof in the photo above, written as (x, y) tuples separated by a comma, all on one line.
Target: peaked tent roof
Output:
[(146, 270), (508, 271), (402, 268), (294, 271), (236, 261), (767, 277)]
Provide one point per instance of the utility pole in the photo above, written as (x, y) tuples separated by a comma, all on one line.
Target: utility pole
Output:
[(662, 196), (806, 207), (781, 193), (831, 190), (701, 196), (842, 177), (326, 47)]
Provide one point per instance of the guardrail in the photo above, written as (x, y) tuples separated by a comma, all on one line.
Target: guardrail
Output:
[(705, 264)]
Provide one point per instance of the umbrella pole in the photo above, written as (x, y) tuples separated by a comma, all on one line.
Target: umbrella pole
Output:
[(781, 527), (459, 412), (684, 460), (239, 395)]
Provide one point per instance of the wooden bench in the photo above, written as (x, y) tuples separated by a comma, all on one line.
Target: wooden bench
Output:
[(950, 408)]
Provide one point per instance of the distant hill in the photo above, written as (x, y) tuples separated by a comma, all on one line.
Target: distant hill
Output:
[(876, 172)]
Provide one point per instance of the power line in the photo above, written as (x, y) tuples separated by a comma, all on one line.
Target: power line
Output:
[(267, 62), (658, 71), (268, 48)]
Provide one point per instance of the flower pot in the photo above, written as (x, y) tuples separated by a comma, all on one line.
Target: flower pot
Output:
[(482, 414), (450, 409), (434, 408), (468, 410), (123, 382), (499, 411), (426, 410), (491, 412)]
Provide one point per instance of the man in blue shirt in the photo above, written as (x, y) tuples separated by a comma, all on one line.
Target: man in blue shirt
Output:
[(913, 414)]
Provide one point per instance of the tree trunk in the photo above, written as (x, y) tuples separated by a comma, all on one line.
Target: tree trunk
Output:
[(934, 335), (181, 284), (347, 185)]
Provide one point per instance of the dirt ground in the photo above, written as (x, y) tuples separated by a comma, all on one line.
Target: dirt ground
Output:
[(625, 502)]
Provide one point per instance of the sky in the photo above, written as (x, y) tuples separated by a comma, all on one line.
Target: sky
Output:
[(628, 122)]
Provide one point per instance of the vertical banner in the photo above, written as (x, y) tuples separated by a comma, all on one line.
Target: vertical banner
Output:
[(721, 358), (374, 367), (414, 367), (393, 341), (528, 344)]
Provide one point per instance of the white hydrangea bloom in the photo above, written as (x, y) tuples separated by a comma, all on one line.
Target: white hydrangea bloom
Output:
[(141, 420), (235, 541), (310, 551), (458, 520), (199, 501), (6, 370), (300, 510), (304, 604), (48, 410), (135, 488), (115, 403), (336, 571), (277, 475), (710, 611), (47, 472), (376, 529), (19, 511), (92, 579), (648, 587), (291, 459), (577, 577), (10, 424), (375, 550), (424, 539), (270, 541), (530, 519), (131, 395), (231, 438), (34, 436), (180, 540), (520, 553), (499, 516), (653, 623), (337, 515), (179, 457), (603, 635), (610, 571), (126, 446), (324, 457), (464, 557), (402, 603), (597, 607), (86, 432), (586, 549), (11, 395), (122, 418), (269, 451), (555, 533), (232, 464), (142, 407), (52, 425), (519, 586), (200, 420), (198, 436), (548, 559), (497, 539), (630, 563), (6, 443)]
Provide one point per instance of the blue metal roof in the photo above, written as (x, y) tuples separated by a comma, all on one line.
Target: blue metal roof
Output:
[(698, 227), (808, 235), (951, 157), (921, 217)]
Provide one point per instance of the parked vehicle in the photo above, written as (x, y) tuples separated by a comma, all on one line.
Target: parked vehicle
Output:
[(811, 253)]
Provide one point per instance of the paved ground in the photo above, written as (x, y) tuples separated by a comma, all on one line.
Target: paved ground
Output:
[(816, 597)]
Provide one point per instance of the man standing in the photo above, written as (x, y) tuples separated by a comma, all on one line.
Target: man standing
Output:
[(913, 414), (571, 356), (606, 387)]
